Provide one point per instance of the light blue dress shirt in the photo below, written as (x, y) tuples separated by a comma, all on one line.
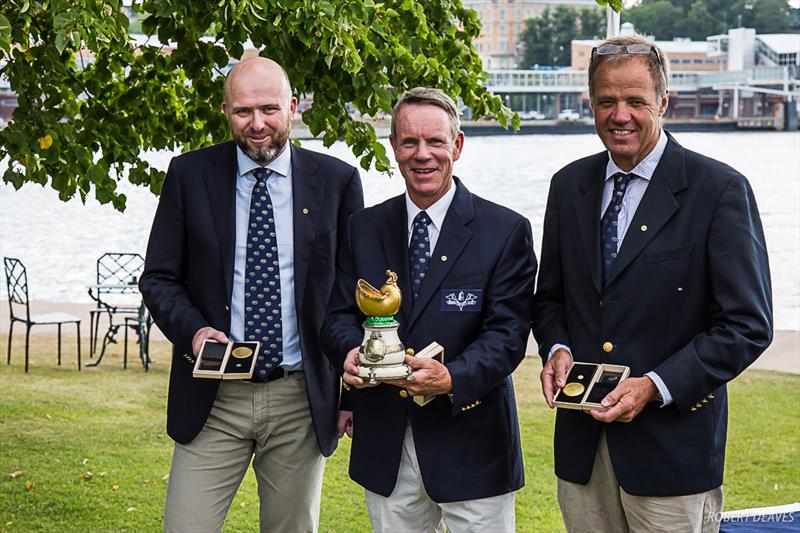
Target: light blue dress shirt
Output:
[(279, 186), (643, 173)]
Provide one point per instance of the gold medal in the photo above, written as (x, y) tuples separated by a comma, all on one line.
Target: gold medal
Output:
[(241, 352), (573, 389)]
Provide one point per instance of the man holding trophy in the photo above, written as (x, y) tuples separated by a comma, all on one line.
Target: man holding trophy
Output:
[(456, 276)]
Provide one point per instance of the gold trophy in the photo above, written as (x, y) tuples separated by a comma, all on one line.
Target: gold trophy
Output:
[(381, 354)]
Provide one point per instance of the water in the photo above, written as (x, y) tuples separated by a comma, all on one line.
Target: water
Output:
[(59, 243)]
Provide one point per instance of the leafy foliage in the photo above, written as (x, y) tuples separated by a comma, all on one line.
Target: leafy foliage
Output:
[(91, 99), (698, 19), (547, 37), (616, 5)]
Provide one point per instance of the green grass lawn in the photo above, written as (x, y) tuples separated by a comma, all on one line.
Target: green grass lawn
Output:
[(88, 451)]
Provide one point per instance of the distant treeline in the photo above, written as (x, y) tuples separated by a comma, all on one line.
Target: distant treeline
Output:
[(697, 19)]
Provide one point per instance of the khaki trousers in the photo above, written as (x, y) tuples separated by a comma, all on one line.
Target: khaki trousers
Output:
[(602, 506), (409, 509), (269, 423)]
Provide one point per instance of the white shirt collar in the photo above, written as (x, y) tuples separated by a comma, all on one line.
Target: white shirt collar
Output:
[(646, 166), (436, 212), (280, 166)]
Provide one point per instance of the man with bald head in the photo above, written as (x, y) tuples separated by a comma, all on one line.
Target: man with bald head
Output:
[(243, 247)]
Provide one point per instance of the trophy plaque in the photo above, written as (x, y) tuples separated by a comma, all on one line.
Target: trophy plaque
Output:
[(381, 354), (587, 385), (234, 360)]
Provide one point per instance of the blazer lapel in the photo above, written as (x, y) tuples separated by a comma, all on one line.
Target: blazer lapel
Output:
[(220, 181), (453, 237), (587, 213), (307, 192), (394, 241), (656, 208)]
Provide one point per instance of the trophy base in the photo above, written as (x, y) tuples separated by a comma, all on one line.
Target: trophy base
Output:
[(376, 374)]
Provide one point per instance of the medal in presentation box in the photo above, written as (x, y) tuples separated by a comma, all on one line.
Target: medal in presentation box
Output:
[(587, 385), (234, 360), (432, 351)]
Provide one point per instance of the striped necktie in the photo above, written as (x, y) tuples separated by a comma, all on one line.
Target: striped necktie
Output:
[(609, 222)]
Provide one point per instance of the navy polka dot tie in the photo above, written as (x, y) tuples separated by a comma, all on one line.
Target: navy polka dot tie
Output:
[(419, 252), (262, 292), (608, 224)]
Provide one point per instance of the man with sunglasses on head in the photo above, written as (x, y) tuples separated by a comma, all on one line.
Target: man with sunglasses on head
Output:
[(653, 257)]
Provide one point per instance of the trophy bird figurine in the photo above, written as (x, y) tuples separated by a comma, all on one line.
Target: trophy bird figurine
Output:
[(384, 302), (381, 354)]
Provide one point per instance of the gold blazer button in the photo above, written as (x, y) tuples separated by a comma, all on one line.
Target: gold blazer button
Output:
[(404, 394), (607, 346)]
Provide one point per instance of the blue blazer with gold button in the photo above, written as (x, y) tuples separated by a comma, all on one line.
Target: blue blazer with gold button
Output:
[(689, 298), (468, 447)]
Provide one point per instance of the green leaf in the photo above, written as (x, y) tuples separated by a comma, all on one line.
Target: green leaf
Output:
[(5, 34), (61, 20), (61, 41)]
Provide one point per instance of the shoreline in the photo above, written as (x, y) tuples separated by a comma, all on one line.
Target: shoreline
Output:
[(783, 354), (490, 128)]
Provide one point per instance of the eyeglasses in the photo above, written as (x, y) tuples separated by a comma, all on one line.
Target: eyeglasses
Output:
[(609, 49)]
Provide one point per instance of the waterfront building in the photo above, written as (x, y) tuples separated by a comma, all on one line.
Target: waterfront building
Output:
[(503, 22), (738, 74)]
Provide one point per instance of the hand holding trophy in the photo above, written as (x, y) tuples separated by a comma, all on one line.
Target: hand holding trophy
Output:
[(381, 354)]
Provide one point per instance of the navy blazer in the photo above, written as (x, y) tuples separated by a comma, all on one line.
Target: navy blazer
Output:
[(468, 448), (188, 273), (689, 297)]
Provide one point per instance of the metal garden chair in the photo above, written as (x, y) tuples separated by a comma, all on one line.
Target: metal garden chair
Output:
[(117, 274), (140, 324), (17, 285)]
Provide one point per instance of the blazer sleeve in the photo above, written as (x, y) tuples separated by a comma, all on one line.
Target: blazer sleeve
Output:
[(352, 202), (500, 346), (740, 300), (341, 330), (163, 281), (549, 318)]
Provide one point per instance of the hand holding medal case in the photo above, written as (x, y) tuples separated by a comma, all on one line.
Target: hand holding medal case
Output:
[(587, 385), (234, 360), (432, 351)]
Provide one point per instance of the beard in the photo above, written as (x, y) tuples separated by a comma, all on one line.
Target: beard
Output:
[(267, 153)]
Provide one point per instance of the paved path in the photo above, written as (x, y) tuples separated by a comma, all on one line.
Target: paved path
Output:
[(783, 354), (79, 310)]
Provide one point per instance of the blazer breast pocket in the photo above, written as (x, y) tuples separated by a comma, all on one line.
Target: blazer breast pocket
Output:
[(461, 300), (671, 254), (462, 292)]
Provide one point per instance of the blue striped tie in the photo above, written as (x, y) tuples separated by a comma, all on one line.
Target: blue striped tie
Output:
[(608, 224)]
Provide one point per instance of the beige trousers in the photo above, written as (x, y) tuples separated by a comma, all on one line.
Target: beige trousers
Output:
[(269, 423), (409, 509), (602, 506)]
